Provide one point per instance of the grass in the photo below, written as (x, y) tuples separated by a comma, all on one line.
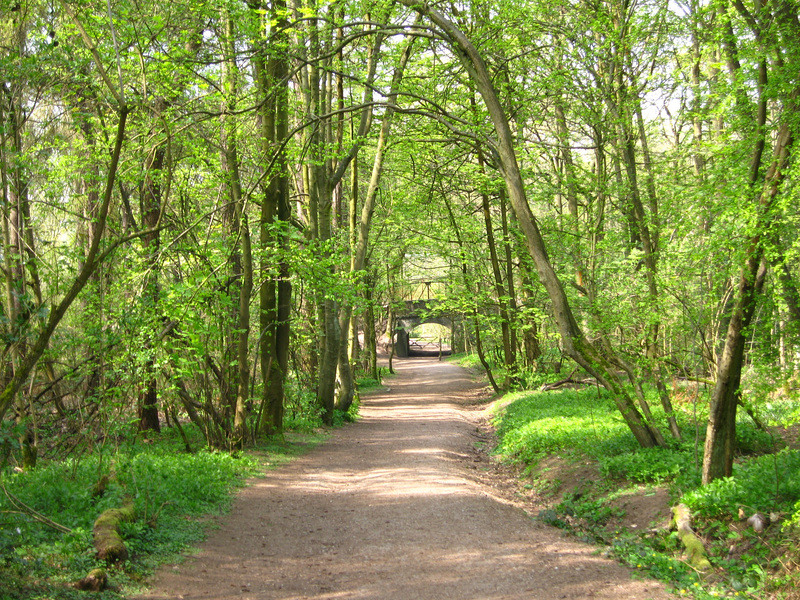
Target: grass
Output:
[(535, 424), (584, 425), (176, 495)]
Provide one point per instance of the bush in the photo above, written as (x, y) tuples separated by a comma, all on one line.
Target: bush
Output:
[(767, 483), (302, 413), (170, 492), (646, 465), (750, 440), (536, 423)]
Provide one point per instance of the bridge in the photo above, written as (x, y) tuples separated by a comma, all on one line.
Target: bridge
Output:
[(419, 312)]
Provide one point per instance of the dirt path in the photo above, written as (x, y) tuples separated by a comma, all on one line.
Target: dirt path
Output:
[(388, 509)]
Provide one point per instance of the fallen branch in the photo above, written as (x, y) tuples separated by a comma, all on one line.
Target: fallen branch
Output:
[(24, 508), (95, 581), (568, 380), (695, 551)]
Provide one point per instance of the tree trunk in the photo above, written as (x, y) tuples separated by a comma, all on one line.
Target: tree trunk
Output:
[(720, 443), (359, 258), (151, 215), (230, 75), (371, 338), (575, 344), (325, 175), (93, 259), (502, 300), (721, 430), (18, 305), (275, 294)]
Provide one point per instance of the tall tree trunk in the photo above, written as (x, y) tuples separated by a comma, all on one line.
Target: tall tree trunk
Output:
[(502, 299), (324, 175), (151, 215), (720, 443), (93, 259), (230, 75), (275, 295), (18, 305), (371, 337), (721, 430), (509, 264), (476, 326), (575, 343), (359, 258)]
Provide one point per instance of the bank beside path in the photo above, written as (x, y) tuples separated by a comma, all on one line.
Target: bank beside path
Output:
[(389, 509)]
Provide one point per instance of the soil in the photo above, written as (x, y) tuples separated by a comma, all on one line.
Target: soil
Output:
[(403, 504)]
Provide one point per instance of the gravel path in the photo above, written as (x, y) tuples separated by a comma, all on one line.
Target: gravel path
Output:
[(389, 509)]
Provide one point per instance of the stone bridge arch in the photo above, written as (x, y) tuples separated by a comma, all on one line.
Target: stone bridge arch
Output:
[(417, 313)]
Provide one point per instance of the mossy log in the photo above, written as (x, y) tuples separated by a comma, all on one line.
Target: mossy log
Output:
[(695, 551), (107, 539), (95, 581)]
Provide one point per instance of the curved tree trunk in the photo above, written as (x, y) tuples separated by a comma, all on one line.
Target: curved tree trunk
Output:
[(721, 430), (576, 346), (720, 442)]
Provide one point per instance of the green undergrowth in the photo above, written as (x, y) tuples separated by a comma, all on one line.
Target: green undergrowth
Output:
[(176, 497), (303, 413), (368, 384), (583, 427), (468, 361)]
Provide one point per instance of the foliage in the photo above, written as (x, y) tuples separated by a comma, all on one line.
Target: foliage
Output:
[(468, 361), (646, 134), (366, 384), (533, 425), (646, 465), (303, 413), (768, 484), (173, 492)]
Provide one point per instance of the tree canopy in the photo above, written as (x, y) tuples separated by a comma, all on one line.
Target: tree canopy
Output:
[(211, 210)]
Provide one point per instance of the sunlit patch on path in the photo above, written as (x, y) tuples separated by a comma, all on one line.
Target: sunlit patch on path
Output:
[(386, 510)]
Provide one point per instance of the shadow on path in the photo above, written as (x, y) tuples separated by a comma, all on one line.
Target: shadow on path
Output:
[(386, 510)]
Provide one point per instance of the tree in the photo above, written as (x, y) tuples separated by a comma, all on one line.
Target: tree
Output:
[(575, 344), (774, 28)]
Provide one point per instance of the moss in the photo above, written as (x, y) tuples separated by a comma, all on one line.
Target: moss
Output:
[(95, 581), (107, 539), (695, 551)]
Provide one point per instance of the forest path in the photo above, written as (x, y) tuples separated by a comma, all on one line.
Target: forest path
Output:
[(389, 509)]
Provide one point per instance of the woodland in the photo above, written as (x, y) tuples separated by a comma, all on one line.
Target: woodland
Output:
[(213, 212)]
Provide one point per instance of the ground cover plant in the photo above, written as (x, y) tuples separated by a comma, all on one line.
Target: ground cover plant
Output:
[(175, 495), (748, 522)]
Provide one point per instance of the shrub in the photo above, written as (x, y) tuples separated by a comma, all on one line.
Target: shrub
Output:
[(768, 483), (170, 492), (536, 423), (646, 465)]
